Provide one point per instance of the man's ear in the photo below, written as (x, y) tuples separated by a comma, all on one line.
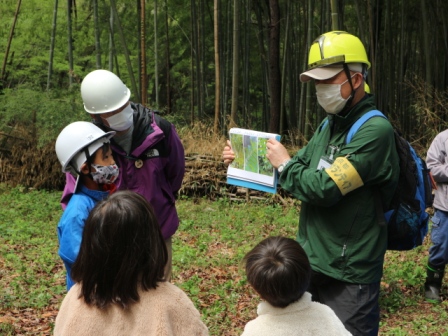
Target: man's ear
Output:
[(358, 81), (85, 168)]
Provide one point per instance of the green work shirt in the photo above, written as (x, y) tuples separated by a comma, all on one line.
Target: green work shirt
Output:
[(339, 231)]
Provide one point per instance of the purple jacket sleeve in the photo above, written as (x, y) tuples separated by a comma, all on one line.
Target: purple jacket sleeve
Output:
[(175, 170), (68, 190)]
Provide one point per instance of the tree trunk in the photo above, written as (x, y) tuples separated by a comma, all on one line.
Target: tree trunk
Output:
[(168, 62), (53, 36), (360, 19), (143, 76), (97, 34), (274, 66), (11, 34), (283, 74), (426, 46), (226, 55), (192, 55), (309, 96), (217, 65), (235, 64), (111, 41), (70, 3), (197, 60), (126, 52), (334, 15), (372, 44), (201, 54), (263, 66), (156, 55), (139, 44), (246, 66)]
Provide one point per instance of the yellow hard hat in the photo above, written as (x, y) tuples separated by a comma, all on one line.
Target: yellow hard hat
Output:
[(366, 88), (336, 47)]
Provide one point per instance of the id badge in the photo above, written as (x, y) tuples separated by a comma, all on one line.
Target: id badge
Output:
[(327, 160), (324, 163)]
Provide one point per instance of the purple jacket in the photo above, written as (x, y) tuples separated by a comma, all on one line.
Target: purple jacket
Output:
[(154, 168)]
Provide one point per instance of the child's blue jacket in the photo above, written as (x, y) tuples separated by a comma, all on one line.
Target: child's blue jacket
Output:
[(71, 225)]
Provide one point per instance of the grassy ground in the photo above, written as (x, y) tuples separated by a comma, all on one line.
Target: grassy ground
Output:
[(208, 248)]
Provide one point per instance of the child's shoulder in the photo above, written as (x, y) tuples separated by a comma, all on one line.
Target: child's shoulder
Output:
[(79, 202)]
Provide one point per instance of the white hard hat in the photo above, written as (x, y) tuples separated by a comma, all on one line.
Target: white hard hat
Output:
[(102, 91), (76, 137)]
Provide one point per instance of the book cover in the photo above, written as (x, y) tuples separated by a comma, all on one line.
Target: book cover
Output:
[(251, 169)]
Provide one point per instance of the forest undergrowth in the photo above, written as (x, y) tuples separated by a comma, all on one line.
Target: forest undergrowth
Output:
[(219, 224), (208, 248)]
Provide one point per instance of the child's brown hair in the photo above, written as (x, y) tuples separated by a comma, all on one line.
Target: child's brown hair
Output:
[(279, 270)]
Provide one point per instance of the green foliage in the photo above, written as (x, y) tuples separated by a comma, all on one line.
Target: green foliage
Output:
[(7, 329), (208, 248), (31, 274), (403, 308), (186, 53), (47, 112), (237, 145), (264, 165), (250, 154)]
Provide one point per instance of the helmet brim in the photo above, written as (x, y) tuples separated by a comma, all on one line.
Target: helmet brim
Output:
[(106, 107), (320, 73), (328, 72), (106, 137)]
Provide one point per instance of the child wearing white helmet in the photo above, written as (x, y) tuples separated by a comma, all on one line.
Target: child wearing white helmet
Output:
[(147, 148), (84, 150)]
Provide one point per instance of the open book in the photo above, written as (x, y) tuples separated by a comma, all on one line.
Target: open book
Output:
[(251, 168)]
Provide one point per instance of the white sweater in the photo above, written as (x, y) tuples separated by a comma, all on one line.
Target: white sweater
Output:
[(302, 317)]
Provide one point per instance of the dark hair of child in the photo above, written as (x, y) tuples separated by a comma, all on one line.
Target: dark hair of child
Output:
[(122, 251), (105, 147), (279, 271)]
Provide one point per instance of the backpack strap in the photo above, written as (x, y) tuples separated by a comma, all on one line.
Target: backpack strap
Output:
[(376, 193), (358, 123), (355, 127), (323, 124)]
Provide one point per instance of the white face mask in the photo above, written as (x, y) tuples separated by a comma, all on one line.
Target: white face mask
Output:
[(330, 98), (121, 121)]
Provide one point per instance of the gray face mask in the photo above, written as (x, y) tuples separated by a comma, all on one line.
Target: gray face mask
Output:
[(121, 121), (105, 174)]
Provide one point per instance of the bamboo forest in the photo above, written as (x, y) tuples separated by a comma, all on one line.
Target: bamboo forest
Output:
[(222, 62)]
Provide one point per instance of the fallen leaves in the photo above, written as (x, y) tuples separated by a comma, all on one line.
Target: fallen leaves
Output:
[(30, 321)]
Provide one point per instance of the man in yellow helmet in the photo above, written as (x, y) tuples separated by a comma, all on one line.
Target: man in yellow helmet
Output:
[(337, 183)]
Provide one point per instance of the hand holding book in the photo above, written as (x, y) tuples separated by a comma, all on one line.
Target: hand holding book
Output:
[(227, 154), (276, 153), (250, 167)]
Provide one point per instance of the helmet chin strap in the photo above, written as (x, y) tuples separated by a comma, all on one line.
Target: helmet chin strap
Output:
[(89, 174), (86, 152), (352, 95)]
